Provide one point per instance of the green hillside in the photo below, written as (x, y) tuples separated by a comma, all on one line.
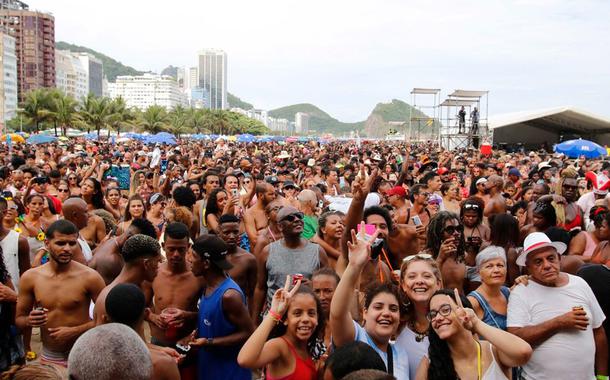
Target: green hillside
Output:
[(320, 121), (112, 67), (234, 101), (377, 124)]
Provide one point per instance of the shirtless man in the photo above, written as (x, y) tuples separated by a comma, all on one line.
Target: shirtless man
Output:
[(142, 256), (56, 296), (255, 218), (125, 304), (244, 263), (397, 197), (92, 227), (107, 259), (419, 196), (175, 286), (497, 202)]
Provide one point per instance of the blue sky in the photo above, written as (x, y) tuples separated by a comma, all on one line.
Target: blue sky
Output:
[(346, 56)]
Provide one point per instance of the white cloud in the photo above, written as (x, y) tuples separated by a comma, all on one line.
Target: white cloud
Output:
[(345, 56)]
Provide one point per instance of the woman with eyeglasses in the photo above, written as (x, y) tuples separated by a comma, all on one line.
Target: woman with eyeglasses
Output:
[(63, 190), (490, 300), (381, 312), (154, 211), (420, 278), (456, 353), (74, 183), (91, 192), (135, 209), (445, 242), (330, 230)]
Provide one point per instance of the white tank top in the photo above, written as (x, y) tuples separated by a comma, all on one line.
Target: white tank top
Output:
[(10, 253), (84, 246)]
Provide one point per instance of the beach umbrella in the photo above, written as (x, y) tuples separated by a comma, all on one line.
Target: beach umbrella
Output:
[(246, 138), (40, 139), (580, 147), (15, 138)]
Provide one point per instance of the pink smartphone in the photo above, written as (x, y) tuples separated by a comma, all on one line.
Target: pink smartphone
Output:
[(369, 229)]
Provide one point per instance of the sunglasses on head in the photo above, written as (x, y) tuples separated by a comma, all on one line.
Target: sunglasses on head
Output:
[(469, 206), (292, 217), (450, 230), (421, 256)]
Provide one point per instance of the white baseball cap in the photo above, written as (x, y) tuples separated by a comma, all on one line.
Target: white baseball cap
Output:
[(535, 241)]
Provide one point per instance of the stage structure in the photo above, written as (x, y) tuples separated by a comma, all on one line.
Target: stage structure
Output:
[(471, 128), (421, 124)]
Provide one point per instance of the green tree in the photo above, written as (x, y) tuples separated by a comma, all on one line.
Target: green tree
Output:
[(36, 106), (95, 112), (64, 112), (155, 119), (120, 116), (179, 121)]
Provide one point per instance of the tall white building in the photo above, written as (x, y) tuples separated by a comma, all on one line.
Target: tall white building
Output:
[(8, 78), (146, 90), (70, 76), (213, 76), (301, 122), (193, 77), (95, 72)]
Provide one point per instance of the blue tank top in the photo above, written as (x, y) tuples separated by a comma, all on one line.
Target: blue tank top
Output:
[(218, 362), (489, 315)]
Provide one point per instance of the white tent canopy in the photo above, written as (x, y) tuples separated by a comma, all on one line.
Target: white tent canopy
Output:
[(548, 125)]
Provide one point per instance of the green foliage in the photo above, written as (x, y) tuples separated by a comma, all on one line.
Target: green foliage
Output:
[(234, 101), (154, 120), (319, 121), (112, 67)]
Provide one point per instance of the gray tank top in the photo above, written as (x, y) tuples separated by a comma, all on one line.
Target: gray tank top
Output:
[(283, 261)]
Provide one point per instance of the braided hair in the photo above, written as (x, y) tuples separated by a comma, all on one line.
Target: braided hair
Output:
[(435, 234)]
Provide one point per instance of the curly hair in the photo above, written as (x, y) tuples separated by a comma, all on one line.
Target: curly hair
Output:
[(139, 246), (144, 227), (598, 214), (435, 234), (378, 288), (109, 220), (377, 210), (184, 196), (180, 214), (441, 363), (324, 219), (318, 333)]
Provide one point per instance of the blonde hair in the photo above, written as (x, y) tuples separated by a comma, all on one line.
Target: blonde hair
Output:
[(433, 264), (35, 371)]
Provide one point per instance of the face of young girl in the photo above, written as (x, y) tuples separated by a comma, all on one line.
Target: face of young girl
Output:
[(382, 316), (302, 316)]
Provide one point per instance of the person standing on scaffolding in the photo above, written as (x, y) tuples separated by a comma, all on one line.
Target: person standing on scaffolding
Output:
[(474, 119), (462, 120)]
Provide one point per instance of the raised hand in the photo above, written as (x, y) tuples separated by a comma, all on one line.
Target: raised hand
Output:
[(359, 250), (282, 296), (467, 316)]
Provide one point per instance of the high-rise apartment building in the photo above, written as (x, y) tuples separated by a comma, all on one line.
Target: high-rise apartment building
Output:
[(301, 122), (70, 75), (95, 72), (213, 76), (34, 34), (146, 90), (8, 78), (193, 77)]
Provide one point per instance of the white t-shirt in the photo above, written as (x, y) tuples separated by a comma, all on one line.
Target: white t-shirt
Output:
[(569, 354), (415, 350), (399, 356)]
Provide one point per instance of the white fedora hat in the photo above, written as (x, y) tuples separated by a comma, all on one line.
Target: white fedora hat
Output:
[(535, 241)]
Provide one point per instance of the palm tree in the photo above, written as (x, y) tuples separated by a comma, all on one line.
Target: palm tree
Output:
[(222, 122), (154, 119), (36, 106), (95, 112), (178, 120), (64, 112), (119, 116)]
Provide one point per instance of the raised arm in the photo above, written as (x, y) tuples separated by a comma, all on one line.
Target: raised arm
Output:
[(260, 291), (341, 322)]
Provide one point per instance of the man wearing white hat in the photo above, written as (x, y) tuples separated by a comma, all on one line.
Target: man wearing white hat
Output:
[(558, 315)]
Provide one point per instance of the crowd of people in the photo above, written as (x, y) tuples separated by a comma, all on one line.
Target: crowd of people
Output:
[(342, 260)]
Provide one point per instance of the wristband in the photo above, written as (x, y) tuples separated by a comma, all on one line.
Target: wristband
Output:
[(602, 377), (275, 316)]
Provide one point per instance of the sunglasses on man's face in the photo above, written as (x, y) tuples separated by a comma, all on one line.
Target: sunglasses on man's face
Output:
[(293, 217), (450, 230), (63, 190)]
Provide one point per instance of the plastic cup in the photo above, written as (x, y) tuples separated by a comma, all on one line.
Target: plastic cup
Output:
[(168, 315)]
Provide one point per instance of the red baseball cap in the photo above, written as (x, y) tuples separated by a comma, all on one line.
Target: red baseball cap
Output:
[(397, 190)]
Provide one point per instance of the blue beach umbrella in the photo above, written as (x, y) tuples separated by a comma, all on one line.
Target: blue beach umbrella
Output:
[(40, 139), (580, 147)]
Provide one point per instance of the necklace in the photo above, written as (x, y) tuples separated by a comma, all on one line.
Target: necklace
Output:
[(419, 336)]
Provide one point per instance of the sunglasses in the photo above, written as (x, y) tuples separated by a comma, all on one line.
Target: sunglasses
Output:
[(63, 190), (72, 178), (444, 311), (422, 256), (293, 217), (450, 230), (470, 206)]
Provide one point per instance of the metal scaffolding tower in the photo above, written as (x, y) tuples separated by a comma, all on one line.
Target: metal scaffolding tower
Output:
[(422, 123), (467, 128)]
